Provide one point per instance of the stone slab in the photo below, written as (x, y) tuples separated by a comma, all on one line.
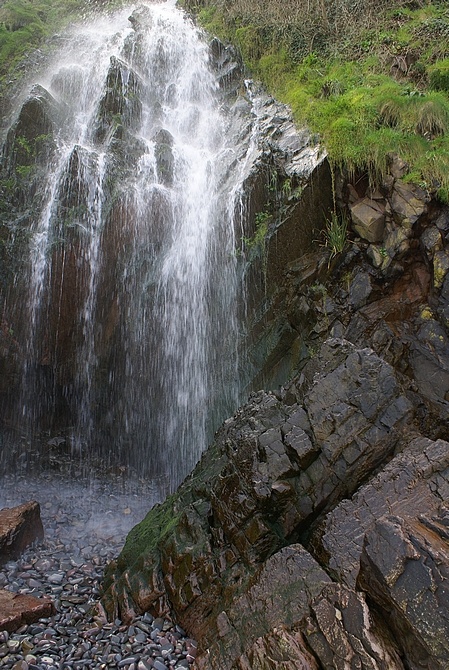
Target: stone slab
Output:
[(19, 527), (17, 609)]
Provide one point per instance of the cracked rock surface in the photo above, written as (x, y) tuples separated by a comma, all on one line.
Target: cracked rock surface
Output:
[(278, 538)]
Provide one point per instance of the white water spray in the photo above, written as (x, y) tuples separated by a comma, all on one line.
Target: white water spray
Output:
[(132, 289)]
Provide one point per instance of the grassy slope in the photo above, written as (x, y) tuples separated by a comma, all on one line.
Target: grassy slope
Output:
[(26, 24), (370, 77)]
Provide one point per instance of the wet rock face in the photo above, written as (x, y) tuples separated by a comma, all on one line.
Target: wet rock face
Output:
[(164, 156), (29, 141), (228, 65), (120, 104), (215, 552)]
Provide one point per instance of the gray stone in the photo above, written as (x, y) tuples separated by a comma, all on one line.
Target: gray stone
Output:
[(368, 219), (408, 203), (360, 290), (407, 486), (404, 567), (396, 243), (442, 221), (440, 267), (398, 168), (431, 241)]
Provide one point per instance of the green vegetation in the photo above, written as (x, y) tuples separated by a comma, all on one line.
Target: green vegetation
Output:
[(335, 235), (146, 536), (256, 243), (25, 24), (371, 78)]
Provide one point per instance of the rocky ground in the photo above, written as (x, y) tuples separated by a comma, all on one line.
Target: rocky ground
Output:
[(85, 526)]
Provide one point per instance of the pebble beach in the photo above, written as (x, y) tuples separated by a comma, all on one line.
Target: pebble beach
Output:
[(85, 525)]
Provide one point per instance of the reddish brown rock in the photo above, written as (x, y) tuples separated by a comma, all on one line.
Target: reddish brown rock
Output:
[(17, 609), (214, 553), (281, 649), (19, 527), (343, 634)]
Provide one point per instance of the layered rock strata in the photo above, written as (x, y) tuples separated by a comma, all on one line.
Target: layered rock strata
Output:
[(229, 553)]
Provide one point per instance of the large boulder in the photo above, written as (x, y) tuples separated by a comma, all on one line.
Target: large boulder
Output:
[(213, 553), (19, 527), (17, 609), (368, 219)]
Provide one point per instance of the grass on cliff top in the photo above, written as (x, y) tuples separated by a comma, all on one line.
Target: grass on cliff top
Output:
[(370, 78)]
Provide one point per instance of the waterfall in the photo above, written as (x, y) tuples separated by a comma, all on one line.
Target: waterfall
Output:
[(122, 319)]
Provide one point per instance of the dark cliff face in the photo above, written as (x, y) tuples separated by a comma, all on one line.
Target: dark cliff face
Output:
[(71, 309)]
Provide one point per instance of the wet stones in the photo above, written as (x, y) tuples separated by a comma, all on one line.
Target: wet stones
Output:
[(58, 582)]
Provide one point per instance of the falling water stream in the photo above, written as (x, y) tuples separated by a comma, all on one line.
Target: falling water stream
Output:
[(128, 355)]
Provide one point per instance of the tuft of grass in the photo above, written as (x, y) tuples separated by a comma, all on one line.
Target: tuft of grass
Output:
[(439, 75), (335, 234)]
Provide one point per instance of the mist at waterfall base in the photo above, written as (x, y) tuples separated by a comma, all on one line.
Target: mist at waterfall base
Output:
[(123, 318)]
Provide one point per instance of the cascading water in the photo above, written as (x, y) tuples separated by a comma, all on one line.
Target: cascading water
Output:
[(128, 296)]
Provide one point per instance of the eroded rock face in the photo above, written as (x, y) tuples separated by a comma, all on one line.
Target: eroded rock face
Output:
[(213, 554), (282, 648)]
